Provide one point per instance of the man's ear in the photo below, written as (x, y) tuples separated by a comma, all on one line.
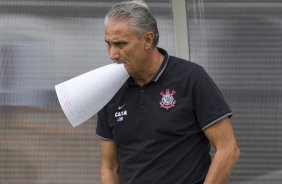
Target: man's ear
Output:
[(148, 38)]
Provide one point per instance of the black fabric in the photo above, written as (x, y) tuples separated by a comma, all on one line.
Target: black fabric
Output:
[(159, 127)]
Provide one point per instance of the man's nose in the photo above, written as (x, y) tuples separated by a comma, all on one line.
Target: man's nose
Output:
[(114, 53)]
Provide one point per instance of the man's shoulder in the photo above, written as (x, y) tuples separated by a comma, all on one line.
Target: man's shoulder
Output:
[(183, 64)]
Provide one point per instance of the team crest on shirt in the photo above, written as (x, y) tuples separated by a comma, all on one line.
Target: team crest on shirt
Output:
[(167, 100)]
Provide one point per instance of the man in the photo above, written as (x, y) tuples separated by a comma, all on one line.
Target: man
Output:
[(158, 128)]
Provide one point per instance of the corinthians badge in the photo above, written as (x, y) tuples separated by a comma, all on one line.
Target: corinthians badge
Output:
[(167, 100)]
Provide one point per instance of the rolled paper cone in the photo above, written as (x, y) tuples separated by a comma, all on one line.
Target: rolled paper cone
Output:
[(83, 96)]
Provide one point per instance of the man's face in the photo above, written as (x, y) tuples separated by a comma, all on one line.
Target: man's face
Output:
[(124, 46)]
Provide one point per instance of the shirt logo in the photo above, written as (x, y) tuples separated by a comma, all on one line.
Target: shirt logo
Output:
[(119, 119), (120, 107), (120, 114), (167, 100)]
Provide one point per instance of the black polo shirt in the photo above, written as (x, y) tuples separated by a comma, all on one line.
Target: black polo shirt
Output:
[(159, 127)]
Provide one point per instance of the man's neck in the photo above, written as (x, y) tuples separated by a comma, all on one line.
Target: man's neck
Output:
[(151, 66)]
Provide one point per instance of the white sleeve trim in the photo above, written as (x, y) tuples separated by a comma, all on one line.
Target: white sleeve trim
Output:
[(103, 138), (216, 120)]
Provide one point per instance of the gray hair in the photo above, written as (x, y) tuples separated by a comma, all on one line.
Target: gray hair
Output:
[(140, 17)]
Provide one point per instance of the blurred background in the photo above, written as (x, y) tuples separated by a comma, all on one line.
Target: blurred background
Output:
[(43, 43)]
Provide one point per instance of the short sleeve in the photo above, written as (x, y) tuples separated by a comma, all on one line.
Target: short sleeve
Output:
[(103, 130), (210, 105)]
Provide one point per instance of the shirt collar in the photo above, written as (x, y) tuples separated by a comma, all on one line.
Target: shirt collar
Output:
[(163, 65)]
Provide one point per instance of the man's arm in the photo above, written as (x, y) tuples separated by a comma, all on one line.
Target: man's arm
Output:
[(221, 136), (109, 168)]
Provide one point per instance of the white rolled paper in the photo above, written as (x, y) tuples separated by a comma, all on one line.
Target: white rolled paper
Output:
[(83, 96)]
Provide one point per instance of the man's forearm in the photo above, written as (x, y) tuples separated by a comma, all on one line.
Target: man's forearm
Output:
[(109, 176), (222, 166)]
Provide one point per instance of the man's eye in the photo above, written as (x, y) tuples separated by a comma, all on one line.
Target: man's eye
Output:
[(120, 44), (108, 44)]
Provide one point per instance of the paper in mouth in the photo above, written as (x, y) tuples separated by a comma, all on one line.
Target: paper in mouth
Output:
[(83, 96)]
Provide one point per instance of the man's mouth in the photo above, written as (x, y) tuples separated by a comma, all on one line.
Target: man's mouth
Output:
[(118, 62)]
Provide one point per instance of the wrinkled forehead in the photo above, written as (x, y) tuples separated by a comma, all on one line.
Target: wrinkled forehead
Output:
[(118, 29)]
